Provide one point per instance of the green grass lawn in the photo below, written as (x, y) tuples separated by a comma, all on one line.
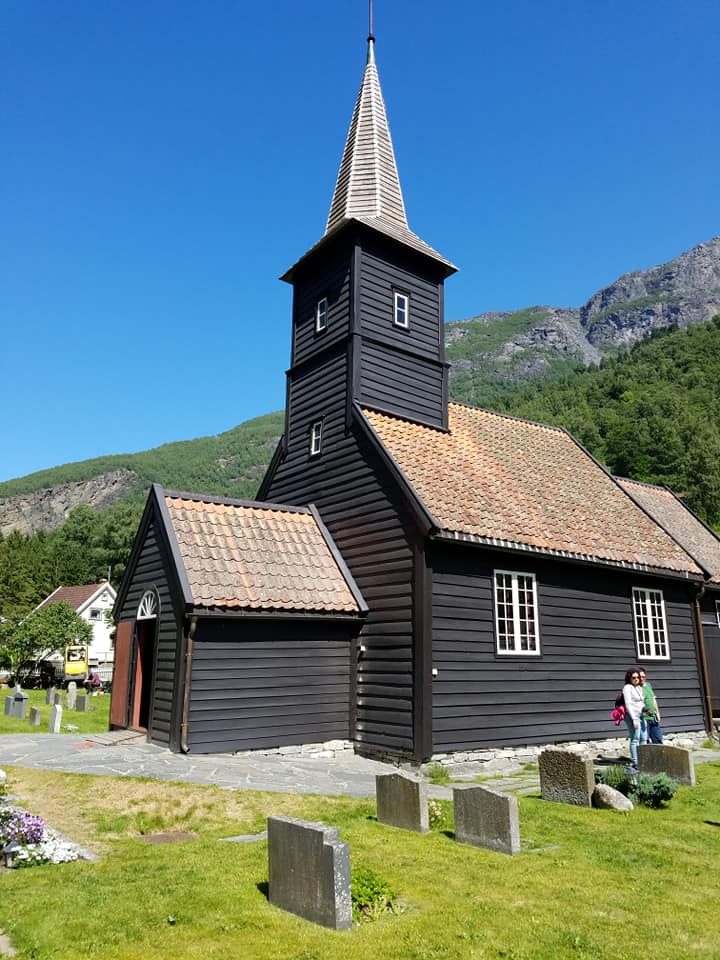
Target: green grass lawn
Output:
[(598, 885), (94, 721)]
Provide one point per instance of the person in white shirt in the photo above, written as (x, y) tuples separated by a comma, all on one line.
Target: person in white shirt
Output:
[(634, 702)]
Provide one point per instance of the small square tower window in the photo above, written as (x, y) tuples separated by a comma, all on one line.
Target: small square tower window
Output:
[(316, 438), (321, 315), (401, 310)]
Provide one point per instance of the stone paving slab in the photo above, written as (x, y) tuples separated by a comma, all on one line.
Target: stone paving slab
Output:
[(348, 774)]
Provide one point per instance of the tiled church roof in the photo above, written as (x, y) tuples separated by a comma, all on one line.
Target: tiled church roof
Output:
[(260, 557), (672, 514), (507, 482)]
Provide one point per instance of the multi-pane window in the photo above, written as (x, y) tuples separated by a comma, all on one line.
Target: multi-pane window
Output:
[(516, 619), (95, 614), (321, 315), (316, 438), (650, 626), (401, 309)]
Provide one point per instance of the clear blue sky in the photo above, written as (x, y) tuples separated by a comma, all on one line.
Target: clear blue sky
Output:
[(162, 162)]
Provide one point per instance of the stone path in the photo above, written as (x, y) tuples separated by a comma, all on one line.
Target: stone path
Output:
[(122, 754)]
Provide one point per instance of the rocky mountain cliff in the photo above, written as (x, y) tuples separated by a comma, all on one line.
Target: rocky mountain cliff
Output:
[(485, 352), (540, 340)]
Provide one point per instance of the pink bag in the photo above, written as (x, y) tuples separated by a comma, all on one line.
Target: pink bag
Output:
[(618, 715)]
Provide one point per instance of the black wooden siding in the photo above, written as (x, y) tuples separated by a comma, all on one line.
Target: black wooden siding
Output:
[(368, 525), (151, 572), (333, 283), (406, 385), (587, 642), (711, 632), (270, 684)]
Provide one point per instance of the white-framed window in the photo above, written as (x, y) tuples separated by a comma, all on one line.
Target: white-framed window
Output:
[(516, 613), (316, 438), (650, 625), (321, 315), (401, 309), (95, 614)]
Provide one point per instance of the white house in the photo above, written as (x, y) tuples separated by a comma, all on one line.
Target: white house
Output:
[(94, 603)]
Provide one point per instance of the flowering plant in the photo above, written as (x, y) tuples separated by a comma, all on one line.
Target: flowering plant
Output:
[(20, 827), (37, 843)]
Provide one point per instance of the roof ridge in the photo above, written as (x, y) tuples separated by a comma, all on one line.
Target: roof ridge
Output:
[(232, 502), (645, 483)]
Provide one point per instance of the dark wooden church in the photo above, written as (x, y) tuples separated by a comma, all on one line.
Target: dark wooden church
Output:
[(445, 579)]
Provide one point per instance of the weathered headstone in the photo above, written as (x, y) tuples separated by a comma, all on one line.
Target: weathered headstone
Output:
[(566, 777), (309, 871), (71, 695), (58, 698), (20, 704), (486, 818), (81, 703), (402, 801), (35, 717), (55, 718), (50, 696), (676, 762), (9, 702)]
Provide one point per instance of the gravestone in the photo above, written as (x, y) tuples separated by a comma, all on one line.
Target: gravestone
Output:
[(35, 717), (58, 698), (676, 762), (309, 871), (20, 704), (81, 703), (71, 695), (9, 701), (566, 777), (50, 696), (55, 718), (486, 818), (402, 801)]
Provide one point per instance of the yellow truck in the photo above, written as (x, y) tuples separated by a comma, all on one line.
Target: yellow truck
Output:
[(76, 662)]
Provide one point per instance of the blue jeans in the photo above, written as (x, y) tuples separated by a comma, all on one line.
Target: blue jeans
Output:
[(655, 734), (637, 736)]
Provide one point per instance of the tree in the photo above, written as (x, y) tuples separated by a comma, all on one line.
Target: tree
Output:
[(49, 628)]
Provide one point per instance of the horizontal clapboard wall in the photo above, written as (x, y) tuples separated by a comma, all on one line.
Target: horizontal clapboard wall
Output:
[(711, 633), (587, 641), (151, 573), (332, 284), (259, 685), (409, 386)]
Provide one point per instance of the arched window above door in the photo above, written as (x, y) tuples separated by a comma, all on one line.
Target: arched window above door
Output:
[(149, 606)]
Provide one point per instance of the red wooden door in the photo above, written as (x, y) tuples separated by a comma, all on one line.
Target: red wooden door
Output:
[(121, 674)]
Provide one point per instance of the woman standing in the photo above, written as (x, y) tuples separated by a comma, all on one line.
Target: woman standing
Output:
[(634, 703)]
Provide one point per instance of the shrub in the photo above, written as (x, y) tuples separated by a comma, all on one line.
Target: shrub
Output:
[(372, 896), (653, 791), (438, 774), (615, 777)]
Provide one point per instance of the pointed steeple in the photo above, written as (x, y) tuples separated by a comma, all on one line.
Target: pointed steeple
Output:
[(368, 185)]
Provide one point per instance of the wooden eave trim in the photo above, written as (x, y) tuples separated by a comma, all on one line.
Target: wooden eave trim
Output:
[(508, 546), (424, 518), (338, 558), (319, 616), (406, 351), (276, 460), (181, 578), (134, 555), (334, 348), (228, 501)]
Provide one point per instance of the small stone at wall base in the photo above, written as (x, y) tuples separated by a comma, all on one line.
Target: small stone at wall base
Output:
[(606, 797)]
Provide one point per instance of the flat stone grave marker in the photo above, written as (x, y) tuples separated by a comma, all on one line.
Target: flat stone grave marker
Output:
[(402, 801), (676, 762), (486, 818), (71, 695), (309, 871), (55, 723), (35, 717), (50, 696), (81, 703), (566, 777)]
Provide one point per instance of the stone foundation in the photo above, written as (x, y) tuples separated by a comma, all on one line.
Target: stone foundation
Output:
[(329, 750)]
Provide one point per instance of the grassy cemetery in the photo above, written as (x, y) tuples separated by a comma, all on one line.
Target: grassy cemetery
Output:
[(587, 883), (92, 720)]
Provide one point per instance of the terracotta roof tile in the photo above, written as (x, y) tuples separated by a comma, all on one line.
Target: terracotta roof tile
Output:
[(672, 514), (75, 596), (256, 557), (495, 479)]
